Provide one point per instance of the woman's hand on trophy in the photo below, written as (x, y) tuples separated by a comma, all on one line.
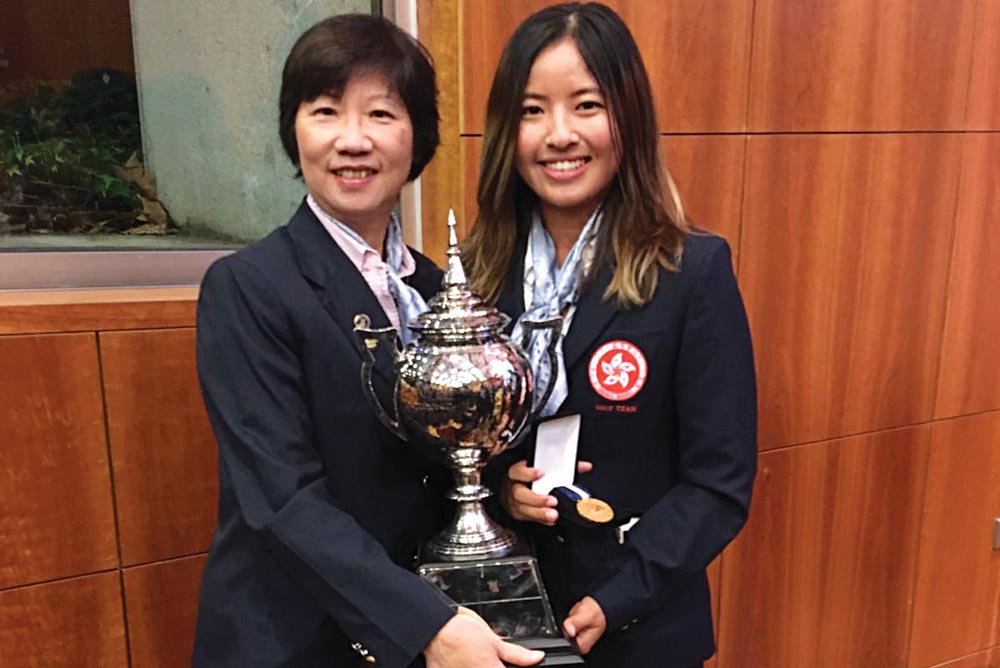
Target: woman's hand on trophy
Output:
[(525, 505), (585, 624), (466, 641)]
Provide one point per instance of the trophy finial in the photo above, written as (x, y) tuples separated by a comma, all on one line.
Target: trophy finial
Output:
[(452, 233), (455, 276)]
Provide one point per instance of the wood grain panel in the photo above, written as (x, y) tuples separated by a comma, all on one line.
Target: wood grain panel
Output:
[(822, 575), (36, 312), (970, 359), (441, 182), (52, 40), (708, 171), (856, 65), (988, 659), (843, 257), (162, 604), (714, 583), (696, 53), (957, 604), (984, 92), (162, 449), (64, 624), (56, 515), (709, 174)]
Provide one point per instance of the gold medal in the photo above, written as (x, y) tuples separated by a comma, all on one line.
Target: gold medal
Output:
[(595, 510)]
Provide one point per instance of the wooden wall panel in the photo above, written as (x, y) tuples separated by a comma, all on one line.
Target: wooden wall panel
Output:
[(56, 515), (708, 171), (162, 448), (65, 624), (52, 40), (822, 576), (441, 182), (988, 659), (853, 65), (970, 359), (844, 247), (957, 604), (696, 52), (984, 94), (162, 604)]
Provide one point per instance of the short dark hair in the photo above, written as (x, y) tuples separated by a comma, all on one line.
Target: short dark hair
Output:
[(327, 55)]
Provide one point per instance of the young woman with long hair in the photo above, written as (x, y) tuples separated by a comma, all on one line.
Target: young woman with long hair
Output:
[(578, 217)]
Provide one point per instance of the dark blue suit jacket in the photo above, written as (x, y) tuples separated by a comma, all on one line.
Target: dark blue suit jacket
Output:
[(321, 509), (681, 454)]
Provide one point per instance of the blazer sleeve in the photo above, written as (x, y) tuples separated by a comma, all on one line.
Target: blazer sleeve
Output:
[(254, 390), (715, 390)]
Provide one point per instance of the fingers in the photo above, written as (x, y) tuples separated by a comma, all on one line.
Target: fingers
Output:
[(517, 655), (522, 503), (521, 472), (526, 505), (584, 467), (585, 624)]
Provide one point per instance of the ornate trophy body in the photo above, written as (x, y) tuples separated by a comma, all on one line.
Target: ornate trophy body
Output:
[(464, 394)]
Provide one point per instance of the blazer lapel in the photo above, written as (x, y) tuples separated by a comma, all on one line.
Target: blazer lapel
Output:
[(591, 318), (340, 286)]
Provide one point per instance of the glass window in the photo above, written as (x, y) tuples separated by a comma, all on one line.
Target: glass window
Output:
[(143, 125)]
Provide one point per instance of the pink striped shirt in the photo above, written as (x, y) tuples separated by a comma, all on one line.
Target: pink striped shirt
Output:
[(367, 261)]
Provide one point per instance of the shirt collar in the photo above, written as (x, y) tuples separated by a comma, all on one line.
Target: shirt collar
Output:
[(358, 252)]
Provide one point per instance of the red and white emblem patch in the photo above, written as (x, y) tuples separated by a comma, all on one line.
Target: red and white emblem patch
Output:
[(617, 370)]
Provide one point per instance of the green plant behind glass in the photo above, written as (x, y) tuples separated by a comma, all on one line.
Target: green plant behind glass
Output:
[(63, 150)]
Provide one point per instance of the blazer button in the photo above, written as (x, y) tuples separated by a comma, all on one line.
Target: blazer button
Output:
[(424, 481)]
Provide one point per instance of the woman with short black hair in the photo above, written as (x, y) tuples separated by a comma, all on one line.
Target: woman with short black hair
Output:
[(321, 508)]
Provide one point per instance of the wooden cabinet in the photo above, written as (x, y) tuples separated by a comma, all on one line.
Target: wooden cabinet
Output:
[(106, 460), (56, 514), (163, 451)]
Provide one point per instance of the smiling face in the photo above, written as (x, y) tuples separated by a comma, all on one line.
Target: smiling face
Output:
[(565, 151), (355, 151)]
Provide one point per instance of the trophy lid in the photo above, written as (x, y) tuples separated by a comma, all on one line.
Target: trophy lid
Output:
[(456, 310)]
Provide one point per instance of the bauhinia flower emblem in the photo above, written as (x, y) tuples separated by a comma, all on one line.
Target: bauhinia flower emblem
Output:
[(617, 371)]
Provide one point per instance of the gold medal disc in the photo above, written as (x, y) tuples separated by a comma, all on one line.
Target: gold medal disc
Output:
[(595, 510)]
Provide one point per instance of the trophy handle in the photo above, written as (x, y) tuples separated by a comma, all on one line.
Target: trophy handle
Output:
[(369, 339), (527, 328)]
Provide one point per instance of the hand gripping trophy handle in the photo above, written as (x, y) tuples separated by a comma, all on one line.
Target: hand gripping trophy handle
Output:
[(529, 327), (369, 340)]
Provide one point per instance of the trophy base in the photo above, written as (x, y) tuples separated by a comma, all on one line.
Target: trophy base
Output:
[(507, 593)]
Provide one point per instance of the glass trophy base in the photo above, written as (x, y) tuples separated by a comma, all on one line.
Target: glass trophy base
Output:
[(506, 592)]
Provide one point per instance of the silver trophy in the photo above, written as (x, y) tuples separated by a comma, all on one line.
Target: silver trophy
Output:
[(464, 393)]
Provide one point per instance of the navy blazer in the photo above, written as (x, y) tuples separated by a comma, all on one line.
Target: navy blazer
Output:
[(680, 454), (321, 508)]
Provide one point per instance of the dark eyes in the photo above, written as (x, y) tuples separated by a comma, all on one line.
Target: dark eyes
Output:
[(586, 105), (381, 114)]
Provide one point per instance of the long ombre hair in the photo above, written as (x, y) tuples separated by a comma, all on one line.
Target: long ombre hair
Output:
[(643, 226)]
